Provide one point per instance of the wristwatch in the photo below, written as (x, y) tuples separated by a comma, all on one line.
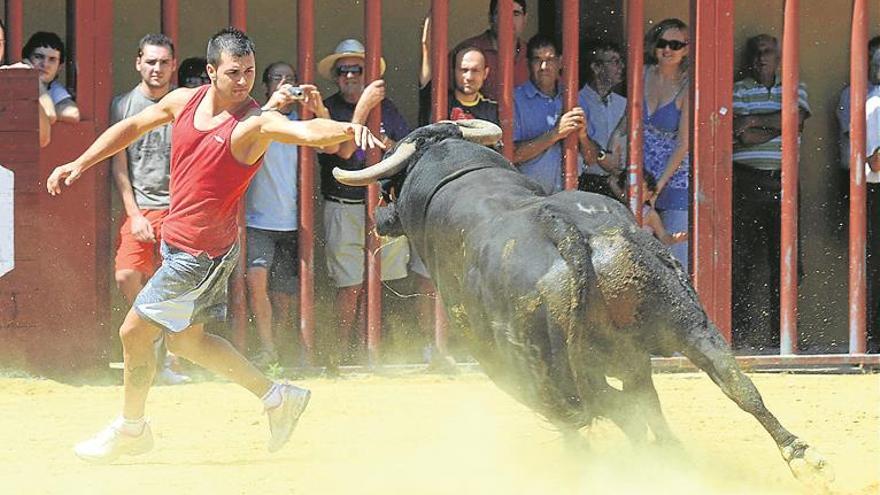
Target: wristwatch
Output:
[(601, 155)]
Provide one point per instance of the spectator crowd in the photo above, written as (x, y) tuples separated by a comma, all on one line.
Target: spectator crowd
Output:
[(141, 172)]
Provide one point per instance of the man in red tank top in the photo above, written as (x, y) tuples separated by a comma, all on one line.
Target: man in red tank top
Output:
[(219, 136)]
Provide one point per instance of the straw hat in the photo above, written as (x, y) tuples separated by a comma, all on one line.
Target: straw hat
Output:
[(346, 48)]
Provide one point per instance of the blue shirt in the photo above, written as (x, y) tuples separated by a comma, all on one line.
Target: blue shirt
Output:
[(272, 196), (604, 115), (534, 114)]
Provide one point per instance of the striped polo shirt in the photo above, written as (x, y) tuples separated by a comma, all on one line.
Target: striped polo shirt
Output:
[(752, 98)]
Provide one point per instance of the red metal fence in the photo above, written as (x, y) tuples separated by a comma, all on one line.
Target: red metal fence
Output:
[(711, 117)]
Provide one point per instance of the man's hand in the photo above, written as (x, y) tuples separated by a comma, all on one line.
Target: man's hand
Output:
[(313, 101), (141, 229), (363, 138), (373, 94), (69, 173), (426, 31), (570, 121), (741, 124), (281, 98)]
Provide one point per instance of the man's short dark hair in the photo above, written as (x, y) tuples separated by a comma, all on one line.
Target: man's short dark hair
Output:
[(493, 7), (460, 52), (154, 39), (271, 66), (191, 67), (230, 41), (43, 39), (591, 50), (539, 41), (873, 45)]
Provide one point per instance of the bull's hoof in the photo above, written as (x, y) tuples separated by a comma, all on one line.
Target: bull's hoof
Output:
[(808, 465)]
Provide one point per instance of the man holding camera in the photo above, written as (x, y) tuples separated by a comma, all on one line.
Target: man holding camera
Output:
[(272, 222)]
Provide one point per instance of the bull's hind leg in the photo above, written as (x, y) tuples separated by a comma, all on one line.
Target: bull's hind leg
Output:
[(638, 387), (706, 349)]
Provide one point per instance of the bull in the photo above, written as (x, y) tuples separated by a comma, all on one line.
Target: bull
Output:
[(553, 294)]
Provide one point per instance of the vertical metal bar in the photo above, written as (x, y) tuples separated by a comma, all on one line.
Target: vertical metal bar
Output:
[(237, 288), (570, 28), (14, 29), (858, 76), (171, 27), (788, 289), (440, 100), (711, 128), (505, 74), (373, 30), (238, 14), (635, 47), (306, 169)]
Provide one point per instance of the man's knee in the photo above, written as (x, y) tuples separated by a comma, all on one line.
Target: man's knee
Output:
[(135, 331), (128, 277)]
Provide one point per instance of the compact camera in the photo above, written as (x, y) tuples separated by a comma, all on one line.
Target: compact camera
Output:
[(296, 92)]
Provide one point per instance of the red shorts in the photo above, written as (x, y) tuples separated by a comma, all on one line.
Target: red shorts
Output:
[(132, 254)]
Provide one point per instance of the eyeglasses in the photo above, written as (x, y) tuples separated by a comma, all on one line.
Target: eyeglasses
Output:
[(673, 45), (349, 69), (282, 77), (548, 61)]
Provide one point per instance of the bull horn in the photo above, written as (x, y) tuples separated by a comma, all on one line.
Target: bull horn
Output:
[(381, 170), (479, 131)]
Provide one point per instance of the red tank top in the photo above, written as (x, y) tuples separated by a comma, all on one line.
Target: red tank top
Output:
[(207, 182)]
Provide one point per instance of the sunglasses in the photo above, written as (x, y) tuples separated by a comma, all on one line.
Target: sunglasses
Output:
[(673, 45), (349, 69)]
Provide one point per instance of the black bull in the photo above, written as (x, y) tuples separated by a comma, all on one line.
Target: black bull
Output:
[(555, 293)]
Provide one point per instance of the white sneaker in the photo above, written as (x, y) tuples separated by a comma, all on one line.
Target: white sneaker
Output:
[(170, 377), (109, 444), (283, 418)]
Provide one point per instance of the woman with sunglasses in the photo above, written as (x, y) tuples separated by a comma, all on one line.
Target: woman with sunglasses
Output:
[(666, 126)]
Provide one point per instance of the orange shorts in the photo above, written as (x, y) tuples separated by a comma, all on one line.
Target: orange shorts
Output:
[(132, 254)]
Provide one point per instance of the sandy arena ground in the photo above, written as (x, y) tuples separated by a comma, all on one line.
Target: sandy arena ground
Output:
[(427, 434)]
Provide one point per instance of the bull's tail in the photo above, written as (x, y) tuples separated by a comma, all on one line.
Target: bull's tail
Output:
[(566, 293)]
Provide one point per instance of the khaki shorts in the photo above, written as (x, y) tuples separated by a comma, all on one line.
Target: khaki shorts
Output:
[(344, 228)]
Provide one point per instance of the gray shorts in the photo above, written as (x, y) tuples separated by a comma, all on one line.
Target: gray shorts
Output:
[(344, 226), (276, 251), (186, 290)]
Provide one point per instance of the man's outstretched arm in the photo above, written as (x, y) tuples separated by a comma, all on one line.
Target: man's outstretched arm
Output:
[(118, 137)]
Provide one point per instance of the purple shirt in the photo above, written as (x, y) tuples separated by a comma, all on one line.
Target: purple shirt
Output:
[(393, 125)]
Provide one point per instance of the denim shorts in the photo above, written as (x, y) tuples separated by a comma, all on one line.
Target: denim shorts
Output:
[(186, 290)]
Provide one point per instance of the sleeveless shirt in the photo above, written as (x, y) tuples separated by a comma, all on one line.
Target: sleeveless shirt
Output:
[(207, 182)]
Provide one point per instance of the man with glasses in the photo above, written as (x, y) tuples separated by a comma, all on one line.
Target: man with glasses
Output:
[(606, 109), (487, 42), (272, 221), (539, 124), (193, 72), (344, 205)]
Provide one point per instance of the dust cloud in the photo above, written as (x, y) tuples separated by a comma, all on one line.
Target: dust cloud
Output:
[(429, 434)]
